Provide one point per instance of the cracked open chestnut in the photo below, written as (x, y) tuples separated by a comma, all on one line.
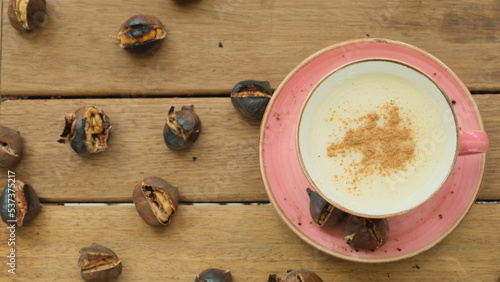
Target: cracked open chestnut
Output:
[(182, 128), (87, 130), (301, 275), (366, 233), (250, 98), (98, 263), (214, 275), (156, 200), (11, 147), (20, 203), (322, 212), (26, 15), (141, 33)]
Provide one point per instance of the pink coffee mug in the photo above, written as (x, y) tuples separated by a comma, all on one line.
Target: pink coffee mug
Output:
[(392, 174), (473, 142)]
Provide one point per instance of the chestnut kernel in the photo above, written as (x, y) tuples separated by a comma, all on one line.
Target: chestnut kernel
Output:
[(11, 147), (322, 212), (366, 233), (250, 98), (300, 275), (20, 203), (214, 275), (141, 33), (87, 130), (98, 263), (26, 15), (182, 128), (156, 200)]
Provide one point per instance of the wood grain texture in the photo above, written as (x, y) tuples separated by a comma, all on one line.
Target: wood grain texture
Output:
[(210, 46), (75, 52), (226, 168), (489, 106), (204, 236)]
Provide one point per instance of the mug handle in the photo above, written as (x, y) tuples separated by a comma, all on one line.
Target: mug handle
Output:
[(473, 142)]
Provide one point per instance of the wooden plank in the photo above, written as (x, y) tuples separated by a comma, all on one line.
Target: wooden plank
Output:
[(488, 106), (251, 241), (75, 52), (226, 168)]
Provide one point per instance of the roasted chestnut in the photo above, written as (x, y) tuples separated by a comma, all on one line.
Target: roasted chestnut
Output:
[(182, 128), (20, 203), (250, 98), (322, 212), (214, 275), (366, 233), (26, 15), (11, 147), (273, 278), (87, 130), (141, 33), (98, 263), (156, 200), (301, 275)]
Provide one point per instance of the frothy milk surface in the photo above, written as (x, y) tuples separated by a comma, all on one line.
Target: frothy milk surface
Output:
[(377, 137)]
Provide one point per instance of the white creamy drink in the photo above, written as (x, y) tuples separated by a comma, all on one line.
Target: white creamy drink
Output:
[(377, 137)]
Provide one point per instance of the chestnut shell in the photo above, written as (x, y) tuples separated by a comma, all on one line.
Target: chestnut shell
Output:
[(300, 275), (214, 275), (150, 206), (141, 33), (250, 98), (182, 128), (99, 263), (366, 233), (27, 204), (75, 131), (11, 147), (322, 212), (35, 15)]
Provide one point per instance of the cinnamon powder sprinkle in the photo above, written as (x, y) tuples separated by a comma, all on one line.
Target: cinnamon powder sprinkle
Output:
[(384, 140)]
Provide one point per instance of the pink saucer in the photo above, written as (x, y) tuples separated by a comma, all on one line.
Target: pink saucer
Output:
[(286, 184)]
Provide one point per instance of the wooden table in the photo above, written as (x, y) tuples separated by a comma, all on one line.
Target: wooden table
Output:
[(225, 219)]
